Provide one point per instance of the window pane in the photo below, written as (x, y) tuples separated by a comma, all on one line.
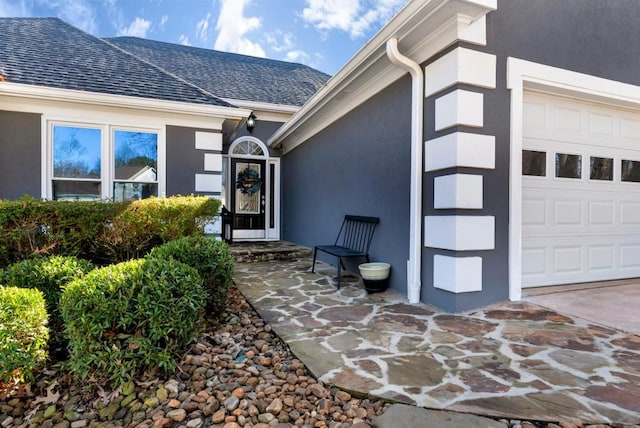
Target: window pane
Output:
[(248, 148), (133, 191), (534, 163), (601, 168), (76, 190), (631, 171), (76, 152), (136, 156), (568, 166)]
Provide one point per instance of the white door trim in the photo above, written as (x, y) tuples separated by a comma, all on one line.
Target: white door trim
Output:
[(523, 75), (268, 233)]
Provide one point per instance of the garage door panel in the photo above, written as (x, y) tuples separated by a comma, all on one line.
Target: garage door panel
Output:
[(629, 213), (602, 213), (567, 259), (630, 256), (534, 213), (601, 124), (601, 257), (567, 213), (630, 128), (568, 121), (586, 228), (534, 261)]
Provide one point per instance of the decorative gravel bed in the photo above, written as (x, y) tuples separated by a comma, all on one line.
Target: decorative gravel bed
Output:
[(237, 374)]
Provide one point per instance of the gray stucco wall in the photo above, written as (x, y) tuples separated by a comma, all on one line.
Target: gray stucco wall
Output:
[(183, 160), (597, 37), (358, 165), (20, 148), (262, 131)]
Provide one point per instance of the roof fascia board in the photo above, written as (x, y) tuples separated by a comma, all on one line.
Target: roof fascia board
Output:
[(370, 71), (109, 100), (266, 111)]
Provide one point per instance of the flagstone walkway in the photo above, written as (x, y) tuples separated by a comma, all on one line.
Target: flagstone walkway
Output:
[(512, 360)]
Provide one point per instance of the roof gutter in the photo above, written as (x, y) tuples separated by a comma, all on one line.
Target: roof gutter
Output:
[(414, 268)]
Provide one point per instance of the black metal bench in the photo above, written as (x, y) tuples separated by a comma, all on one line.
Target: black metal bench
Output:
[(353, 240)]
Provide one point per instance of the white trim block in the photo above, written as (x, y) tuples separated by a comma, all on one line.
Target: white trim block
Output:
[(213, 162), (460, 66), (460, 108), (208, 183), (460, 149), (457, 274), (460, 233), (208, 141), (459, 191)]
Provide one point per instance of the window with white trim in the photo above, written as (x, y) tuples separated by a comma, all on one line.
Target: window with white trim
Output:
[(103, 162)]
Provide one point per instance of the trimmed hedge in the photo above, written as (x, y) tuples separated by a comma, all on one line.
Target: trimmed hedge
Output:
[(103, 232), (131, 317), (23, 332), (49, 275), (211, 258)]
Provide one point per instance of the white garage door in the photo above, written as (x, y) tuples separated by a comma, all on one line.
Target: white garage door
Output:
[(581, 192)]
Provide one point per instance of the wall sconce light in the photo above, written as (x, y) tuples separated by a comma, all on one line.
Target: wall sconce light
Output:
[(251, 122)]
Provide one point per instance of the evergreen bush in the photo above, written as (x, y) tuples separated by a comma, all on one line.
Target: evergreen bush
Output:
[(211, 258), (49, 275), (131, 317), (23, 332)]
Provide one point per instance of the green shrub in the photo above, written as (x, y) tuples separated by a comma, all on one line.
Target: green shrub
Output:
[(147, 223), (31, 228), (23, 332), (103, 232), (133, 316), (49, 275), (212, 259)]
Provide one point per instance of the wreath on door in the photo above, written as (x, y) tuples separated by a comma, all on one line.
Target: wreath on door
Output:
[(249, 181)]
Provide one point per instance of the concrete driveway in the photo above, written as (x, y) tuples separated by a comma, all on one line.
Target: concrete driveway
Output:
[(615, 304)]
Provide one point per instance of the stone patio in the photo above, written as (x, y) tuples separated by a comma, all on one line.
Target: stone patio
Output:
[(512, 360)]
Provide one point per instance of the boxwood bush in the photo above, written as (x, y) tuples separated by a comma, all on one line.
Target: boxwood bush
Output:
[(211, 258), (147, 223), (133, 316), (103, 232), (49, 275), (23, 332)]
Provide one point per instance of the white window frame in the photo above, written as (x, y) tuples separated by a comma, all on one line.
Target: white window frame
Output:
[(107, 153)]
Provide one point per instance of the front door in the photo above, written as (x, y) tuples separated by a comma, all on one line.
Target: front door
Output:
[(248, 198)]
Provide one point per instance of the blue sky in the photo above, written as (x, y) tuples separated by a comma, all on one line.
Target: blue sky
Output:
[(323, 34)]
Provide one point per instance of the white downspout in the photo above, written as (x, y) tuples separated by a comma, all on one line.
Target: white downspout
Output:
[(415, 222)]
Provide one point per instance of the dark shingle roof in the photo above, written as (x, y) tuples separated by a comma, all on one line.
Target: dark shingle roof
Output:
[(230, 75), (49, 52)]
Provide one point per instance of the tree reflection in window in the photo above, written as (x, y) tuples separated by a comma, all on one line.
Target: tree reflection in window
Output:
[(135, 164), (631, 171), (601, 168), (76, 152), (568, 166)]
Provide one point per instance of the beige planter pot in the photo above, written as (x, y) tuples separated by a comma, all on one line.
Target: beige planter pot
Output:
[(375, 276)]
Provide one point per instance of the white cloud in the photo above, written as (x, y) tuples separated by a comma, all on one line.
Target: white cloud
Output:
[(184, 40), (202, 27), (297, 56), (355, 17), (138, 28), (163, 21), (280, 41), (232, 28)]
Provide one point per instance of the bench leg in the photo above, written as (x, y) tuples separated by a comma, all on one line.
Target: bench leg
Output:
[(339, 271), (313, 266)]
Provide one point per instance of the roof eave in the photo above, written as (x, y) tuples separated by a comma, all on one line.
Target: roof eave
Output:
[(369, 71), (123, 101)]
